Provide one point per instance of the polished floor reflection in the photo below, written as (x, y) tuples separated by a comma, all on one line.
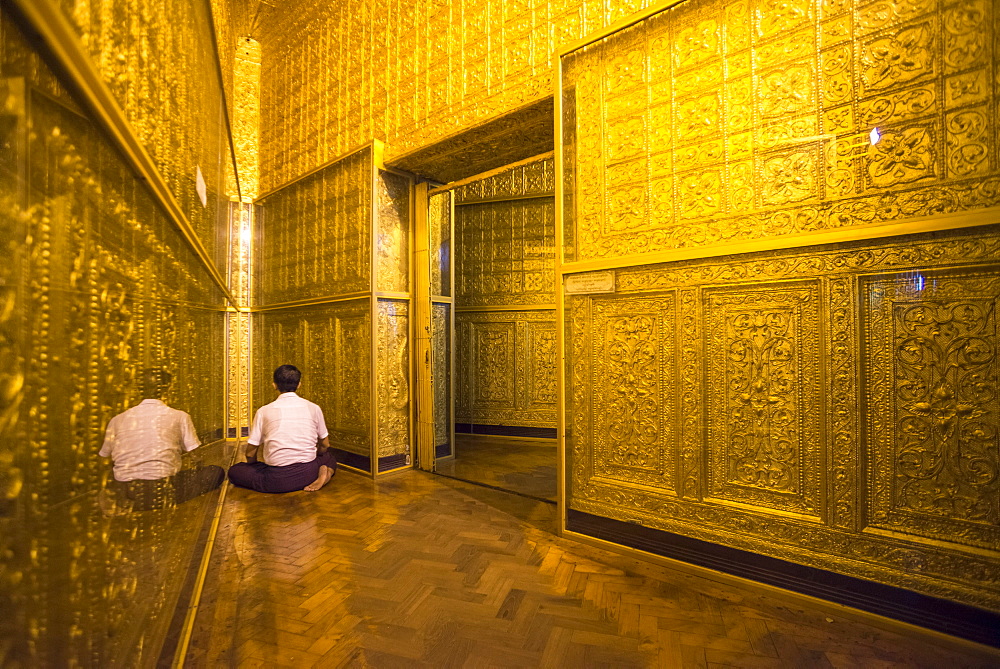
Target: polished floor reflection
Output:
[(417, 570), (523, 466)]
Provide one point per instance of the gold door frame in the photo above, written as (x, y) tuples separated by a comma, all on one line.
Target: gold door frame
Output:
[(425, 300)]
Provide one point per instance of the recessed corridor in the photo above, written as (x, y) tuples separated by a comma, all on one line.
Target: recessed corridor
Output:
[(414, 570), (522, 466)]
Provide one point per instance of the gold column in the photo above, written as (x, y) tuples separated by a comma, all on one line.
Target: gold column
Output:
[(246, 141)]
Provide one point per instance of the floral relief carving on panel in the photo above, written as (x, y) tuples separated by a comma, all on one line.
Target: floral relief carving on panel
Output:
[(934, 340), (789, 177), (899, 57), (763, 357), (506, 368), (902, 156), (542, 377), (965, 41), (493, 351), (634, 390), (787, 91), (968, 142), (392, 378), (392, 245), (843, 399)]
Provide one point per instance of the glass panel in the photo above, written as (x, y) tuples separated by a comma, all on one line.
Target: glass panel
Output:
[(102, 305), (440, 249), (441, 371)]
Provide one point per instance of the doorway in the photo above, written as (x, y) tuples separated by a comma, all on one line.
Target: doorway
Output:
[(492, 344)]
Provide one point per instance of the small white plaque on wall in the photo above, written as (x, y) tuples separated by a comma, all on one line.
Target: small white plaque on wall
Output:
[(594, 282)]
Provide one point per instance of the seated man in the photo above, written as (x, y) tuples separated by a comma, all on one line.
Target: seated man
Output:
[(145, 444), (296, 453)]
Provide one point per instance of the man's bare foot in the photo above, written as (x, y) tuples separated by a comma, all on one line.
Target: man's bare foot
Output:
[(325, 474)]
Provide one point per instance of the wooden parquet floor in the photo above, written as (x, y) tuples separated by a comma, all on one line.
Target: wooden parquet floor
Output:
[(524, 466), (417, 570)]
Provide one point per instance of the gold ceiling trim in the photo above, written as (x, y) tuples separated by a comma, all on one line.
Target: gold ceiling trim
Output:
[(493, 172), (495, 143), (923, 224), (507, 198), (378, 149), (44, 20), (612, 28), (313, 301)]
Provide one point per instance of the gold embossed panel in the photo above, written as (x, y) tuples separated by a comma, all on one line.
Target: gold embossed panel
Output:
[(764, 403), (439, 216), (934, 431), (506, 368), (416, 74), (441, 370), (831, 406), (514, 136), (393, 243), (393, 379), (331, 344), (504, 252), (535, 179), (314, 237), (633, 391), (717, 122), (160, 62)]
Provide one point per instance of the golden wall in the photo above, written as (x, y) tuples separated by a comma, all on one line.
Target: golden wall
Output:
[(331, 344), (99, 284), (716, 123), (161, 64), (505, 296), (331, 297), (314, 237), (833, 405), (409, 72)]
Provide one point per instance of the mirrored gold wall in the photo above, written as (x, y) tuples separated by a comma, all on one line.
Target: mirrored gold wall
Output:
[(505, 301), (834, 406), (99, 285), (324, 244)]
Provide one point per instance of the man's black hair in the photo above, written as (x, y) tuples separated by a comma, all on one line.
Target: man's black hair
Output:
[(287, 378), (154, 382)]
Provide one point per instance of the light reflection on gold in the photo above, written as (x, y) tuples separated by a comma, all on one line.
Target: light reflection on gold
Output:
[(785, 402), (101, 284)]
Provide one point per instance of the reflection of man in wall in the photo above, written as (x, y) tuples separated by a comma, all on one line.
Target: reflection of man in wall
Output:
[(145, 444), (296, 454)]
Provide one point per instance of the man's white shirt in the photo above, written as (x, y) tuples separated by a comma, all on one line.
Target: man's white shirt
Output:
[(288, 429), (146, 441)]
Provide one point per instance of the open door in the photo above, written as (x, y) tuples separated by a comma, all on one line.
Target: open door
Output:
[(434, 326)]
